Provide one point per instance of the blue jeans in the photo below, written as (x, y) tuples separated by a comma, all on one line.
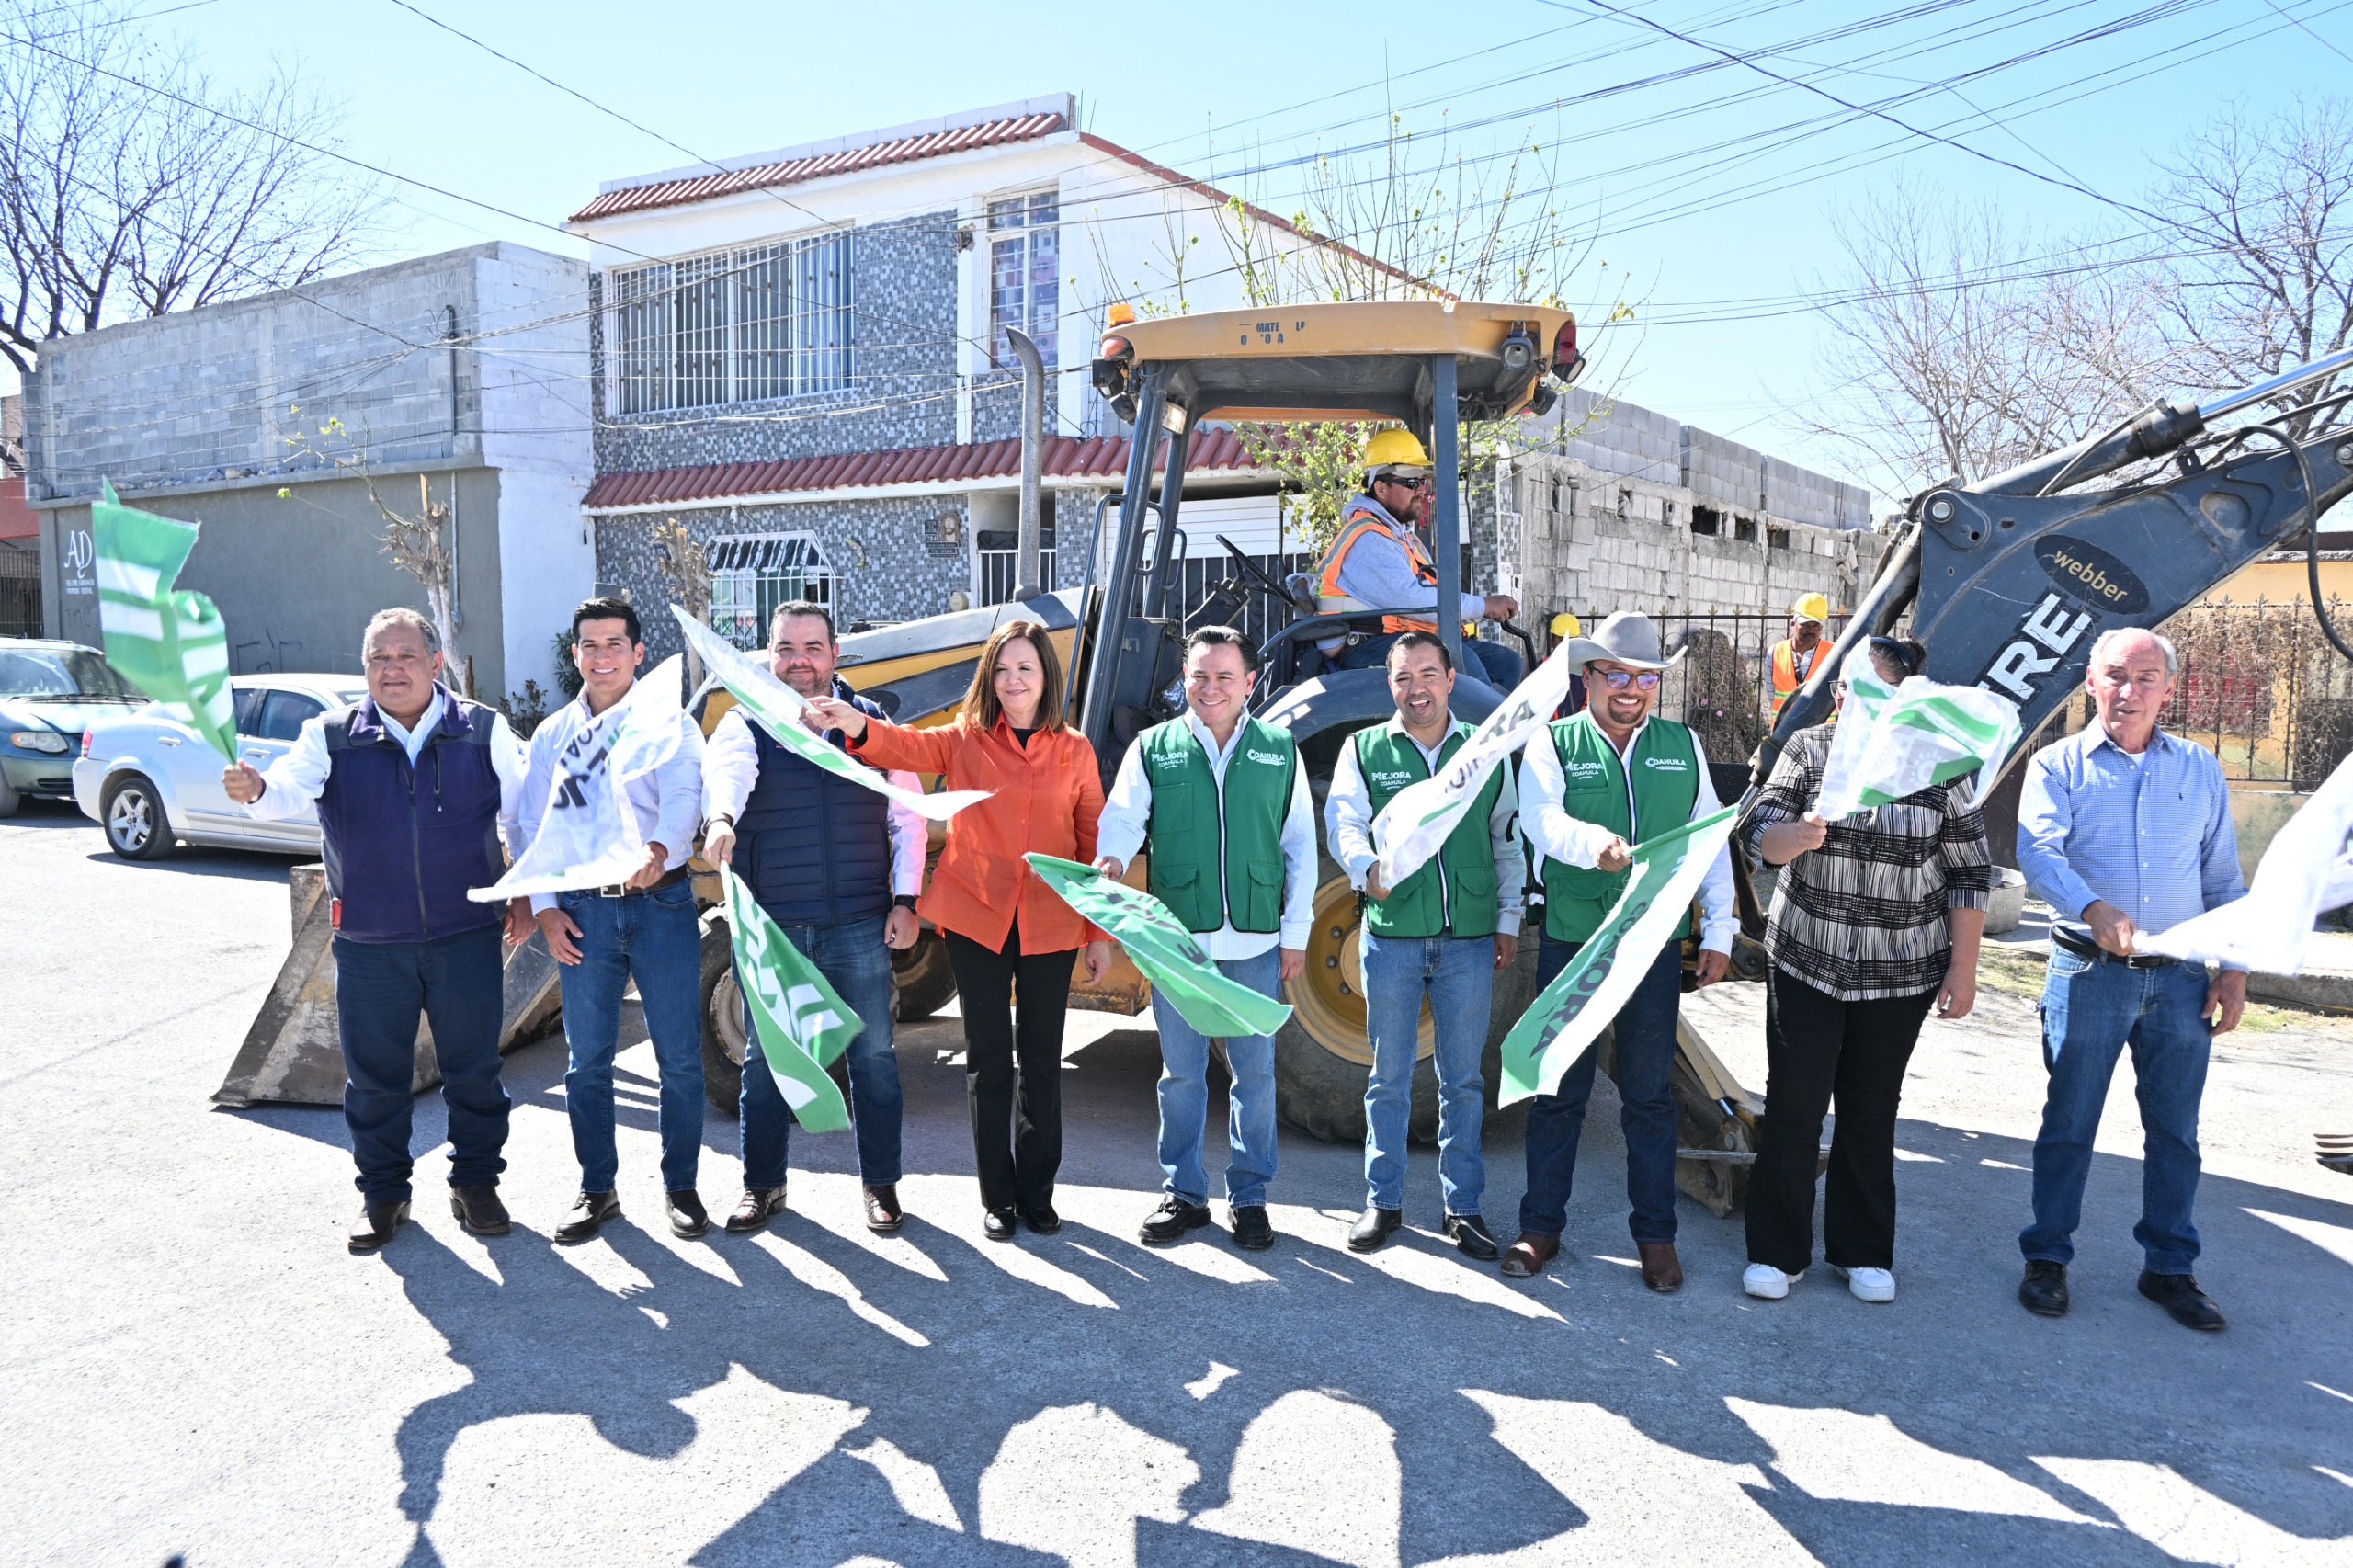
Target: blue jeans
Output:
[(654, 937), (1185, 1095), (457, 982), (2091, 1010), (857, 964), (1459, 974), (1644, 1028), (1495, 663)]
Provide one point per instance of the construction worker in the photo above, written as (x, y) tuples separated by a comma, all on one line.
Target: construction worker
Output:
[(1378, 562), (1793, 656)]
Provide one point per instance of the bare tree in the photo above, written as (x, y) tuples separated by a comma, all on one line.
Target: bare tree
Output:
[(131, 185), (686, 567)]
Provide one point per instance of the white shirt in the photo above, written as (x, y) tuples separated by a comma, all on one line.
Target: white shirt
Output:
[(299, 776), (1554, 834), (731, 763), (1126, 812), (667, 802), (1349, 813)]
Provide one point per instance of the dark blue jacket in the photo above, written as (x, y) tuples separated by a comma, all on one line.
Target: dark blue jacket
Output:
[(403, 844), (814, 850)]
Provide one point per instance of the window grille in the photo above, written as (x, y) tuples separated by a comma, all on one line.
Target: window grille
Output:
[(751, 574), (769, 321), (1000, 554), (1025, 276)]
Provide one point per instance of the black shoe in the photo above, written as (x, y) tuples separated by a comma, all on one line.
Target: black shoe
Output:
[(1043, 1220), (2179, 1294), (479, 1210), (1172, 1220), (1374, 1226), (999, 1224), (1252, 1229), (378, 1221), (588, 1216), (2043, 1292), (1471, 1237), (688, 1217), (752, 1213), (883, 1215)]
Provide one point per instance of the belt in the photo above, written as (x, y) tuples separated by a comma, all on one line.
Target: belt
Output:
[(2082, 947), (615, 890)]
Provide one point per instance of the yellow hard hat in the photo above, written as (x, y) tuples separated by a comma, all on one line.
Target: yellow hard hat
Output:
[(1396, 445), (1811, 607), (1568, 625)]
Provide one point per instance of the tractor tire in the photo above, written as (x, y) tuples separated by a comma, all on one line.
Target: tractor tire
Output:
[(925, 979), (722, 1018), (132, 815), (11, 800), (1322, 1056)]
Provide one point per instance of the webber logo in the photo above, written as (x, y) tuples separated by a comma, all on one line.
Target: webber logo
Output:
[(2091, 574)]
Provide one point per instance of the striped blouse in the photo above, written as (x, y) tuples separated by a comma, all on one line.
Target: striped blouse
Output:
[(1864, 916)]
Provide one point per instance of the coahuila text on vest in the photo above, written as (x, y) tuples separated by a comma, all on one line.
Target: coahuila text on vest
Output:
[(1598, 790), (1217, 852)]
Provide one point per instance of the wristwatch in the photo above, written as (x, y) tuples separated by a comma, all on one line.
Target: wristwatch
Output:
[(905, 900)]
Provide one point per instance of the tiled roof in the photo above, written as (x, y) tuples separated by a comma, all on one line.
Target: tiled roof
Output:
[(1066, 456), (795, 171)]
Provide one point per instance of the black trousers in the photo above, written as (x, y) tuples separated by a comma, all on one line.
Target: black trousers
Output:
[(1013, 1070), (1816, 1048)]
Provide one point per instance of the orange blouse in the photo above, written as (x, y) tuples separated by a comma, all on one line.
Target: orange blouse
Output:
[(1048, 796)]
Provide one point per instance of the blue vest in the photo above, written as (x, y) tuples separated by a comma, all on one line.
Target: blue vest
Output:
[(814, 850), (402, 843)]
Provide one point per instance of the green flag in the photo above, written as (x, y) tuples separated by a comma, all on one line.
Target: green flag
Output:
[(171, 645), (799, 1023), (1171, 957), (1561, 1022)]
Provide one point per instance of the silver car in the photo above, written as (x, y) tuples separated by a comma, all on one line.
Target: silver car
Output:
[(153, 784)]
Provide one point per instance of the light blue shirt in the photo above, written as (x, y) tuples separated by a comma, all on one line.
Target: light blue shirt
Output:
[(2152, 836)]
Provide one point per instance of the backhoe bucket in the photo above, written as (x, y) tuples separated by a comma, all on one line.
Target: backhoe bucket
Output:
[(292, 1055)]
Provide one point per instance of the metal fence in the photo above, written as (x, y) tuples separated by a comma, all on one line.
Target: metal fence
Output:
[(2261, 686), (1195, 575), (19, 593)]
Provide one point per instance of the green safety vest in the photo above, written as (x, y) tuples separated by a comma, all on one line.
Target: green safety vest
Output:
[(1665, 760), (1454, 893), (1217, 855)]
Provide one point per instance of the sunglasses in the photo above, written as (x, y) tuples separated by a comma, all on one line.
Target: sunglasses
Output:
[(1404, 480), (1619, 680)]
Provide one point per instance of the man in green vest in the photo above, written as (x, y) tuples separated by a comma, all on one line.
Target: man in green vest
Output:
[(1222, 802), (1442, 933), (1607, 779)]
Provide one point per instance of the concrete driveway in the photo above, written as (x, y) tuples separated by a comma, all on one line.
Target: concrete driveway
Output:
[(194, 1364)]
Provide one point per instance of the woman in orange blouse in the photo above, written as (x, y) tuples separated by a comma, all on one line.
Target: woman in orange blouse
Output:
[(1004, 926)]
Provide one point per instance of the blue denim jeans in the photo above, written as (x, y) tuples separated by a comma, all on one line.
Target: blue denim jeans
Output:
[(655, 938), (857, 964), (1185, 1095), (1458, 975), (2091, 1010), (1645, 1034), (1493, 662), (380, 987)]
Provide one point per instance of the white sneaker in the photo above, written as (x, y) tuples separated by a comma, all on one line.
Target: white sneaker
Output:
[(1768, 1283), (1868, 1284)]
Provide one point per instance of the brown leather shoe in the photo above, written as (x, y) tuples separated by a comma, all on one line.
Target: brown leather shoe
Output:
[(378, 1221), (752, 1213), (883, 1215), (1662, 1270), (1526, 1257)]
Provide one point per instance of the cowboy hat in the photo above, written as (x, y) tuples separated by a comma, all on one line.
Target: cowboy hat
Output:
[(1627, 638)]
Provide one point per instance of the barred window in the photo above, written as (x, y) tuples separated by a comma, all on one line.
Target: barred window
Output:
[(1000, 559), (1024, 274), (769, 321), (751, 574)]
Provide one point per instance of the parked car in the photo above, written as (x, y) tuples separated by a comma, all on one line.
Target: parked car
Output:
[(152, 783), (50, 693)]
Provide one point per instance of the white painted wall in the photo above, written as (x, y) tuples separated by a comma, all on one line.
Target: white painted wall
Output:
[(546, 567)]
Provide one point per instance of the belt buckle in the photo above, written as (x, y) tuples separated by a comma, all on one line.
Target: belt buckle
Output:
[(612, 890)]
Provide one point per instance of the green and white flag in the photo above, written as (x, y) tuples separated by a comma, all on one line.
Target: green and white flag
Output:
[(1171, 957), (172, 645), (1905, 738), (777, 707), (1417, 819), (799, 1023), (1563, 1021)]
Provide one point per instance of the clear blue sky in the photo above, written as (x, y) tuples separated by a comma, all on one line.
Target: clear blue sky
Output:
[(1722, 227)]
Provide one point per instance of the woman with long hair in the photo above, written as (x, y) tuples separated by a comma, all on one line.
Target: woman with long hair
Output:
[(1005, 930)]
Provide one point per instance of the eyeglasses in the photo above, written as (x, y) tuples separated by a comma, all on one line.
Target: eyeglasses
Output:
[(1618, 680), (1407, 479)]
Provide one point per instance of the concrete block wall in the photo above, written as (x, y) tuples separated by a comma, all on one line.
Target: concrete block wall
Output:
[(1613, 437), (1721, 473)]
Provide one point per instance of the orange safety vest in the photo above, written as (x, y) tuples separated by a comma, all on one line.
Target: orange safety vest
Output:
[(1786, 677), (1354, 525)]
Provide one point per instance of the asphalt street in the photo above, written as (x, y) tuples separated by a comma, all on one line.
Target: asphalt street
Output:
[(194, 1364)]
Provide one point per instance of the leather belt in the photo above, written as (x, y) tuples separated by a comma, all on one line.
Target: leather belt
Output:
[(2080, 944), (615, 890)]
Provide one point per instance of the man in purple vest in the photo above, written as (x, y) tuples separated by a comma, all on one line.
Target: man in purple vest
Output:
[(414, 786), (838, 868)]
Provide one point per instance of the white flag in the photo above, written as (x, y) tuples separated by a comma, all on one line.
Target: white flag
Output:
[(1418, 818), (776, 708), (1919, 733), (2305, 872), (589, 837)]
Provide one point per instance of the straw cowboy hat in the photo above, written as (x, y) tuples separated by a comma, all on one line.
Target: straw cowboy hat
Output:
[(1627, 638)]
